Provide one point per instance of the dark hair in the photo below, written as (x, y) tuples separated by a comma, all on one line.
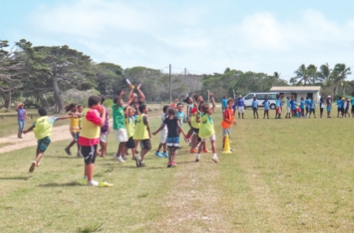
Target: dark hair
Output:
[(178, 104), (204, 106), (164, 109), (42, 111), (142, 107), (171, 111), (93, 100), (103, 98), (69, 107), (230, 100), (186, 100), (196, 96)]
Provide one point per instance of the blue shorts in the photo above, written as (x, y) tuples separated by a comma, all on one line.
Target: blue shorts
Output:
[(43, 143), (172, 141), (328, 108)]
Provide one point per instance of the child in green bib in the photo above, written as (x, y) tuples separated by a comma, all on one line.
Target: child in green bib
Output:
[(206, 129)]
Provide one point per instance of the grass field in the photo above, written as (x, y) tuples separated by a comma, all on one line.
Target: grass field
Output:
[(289, 175)]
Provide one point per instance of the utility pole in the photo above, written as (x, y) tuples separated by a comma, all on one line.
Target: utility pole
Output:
[(169, 75)]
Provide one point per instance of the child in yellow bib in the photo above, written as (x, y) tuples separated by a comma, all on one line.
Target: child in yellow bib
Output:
[(42, 129), (142, 133), (206, 129), (130, 126), (74, 127)]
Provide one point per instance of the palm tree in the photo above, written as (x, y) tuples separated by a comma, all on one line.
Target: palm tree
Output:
[(324, 75), (306, 74), (343, 73)]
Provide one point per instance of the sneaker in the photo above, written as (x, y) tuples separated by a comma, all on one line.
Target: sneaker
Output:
[(158, 154), (92, 183), (120, 159), (104, 184), (142, 164), (206, 151), (67, 150), (197, 158), (33, 166), (192, 150), (173, 164), (164, 154), (215, 159), (137, 161)]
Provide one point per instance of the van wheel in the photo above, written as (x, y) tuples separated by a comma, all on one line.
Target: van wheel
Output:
[(272, 106)]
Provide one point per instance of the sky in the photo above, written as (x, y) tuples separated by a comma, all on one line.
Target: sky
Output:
[(203, 36)]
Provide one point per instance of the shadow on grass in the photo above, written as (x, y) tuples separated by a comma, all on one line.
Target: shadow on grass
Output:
[(50, 185), (63, 157), (15, 178)]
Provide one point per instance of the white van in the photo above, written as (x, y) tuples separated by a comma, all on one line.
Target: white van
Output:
[(260, 96)]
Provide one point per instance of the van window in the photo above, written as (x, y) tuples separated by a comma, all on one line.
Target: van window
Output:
[(260, 96), (272, 97), (249, 96)]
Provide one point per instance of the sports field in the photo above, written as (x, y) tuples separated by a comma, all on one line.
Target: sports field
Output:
[(288, 175)]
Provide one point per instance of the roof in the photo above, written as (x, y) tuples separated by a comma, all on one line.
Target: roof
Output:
[(296, 89)]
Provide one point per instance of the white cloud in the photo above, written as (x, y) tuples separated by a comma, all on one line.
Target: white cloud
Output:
[(155, 35)]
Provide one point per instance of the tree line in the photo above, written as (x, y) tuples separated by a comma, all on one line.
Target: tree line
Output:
[(42, 76)]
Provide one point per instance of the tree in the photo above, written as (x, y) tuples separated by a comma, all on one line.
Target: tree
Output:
[(109, 78), (57, 68), (342, 74), (306, 74)]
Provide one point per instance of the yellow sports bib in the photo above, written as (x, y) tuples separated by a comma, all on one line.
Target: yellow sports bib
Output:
[(206, 129), (140, 132), (43, 128), (89, 129)]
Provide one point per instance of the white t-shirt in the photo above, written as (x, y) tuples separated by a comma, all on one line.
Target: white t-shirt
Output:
[(163, 117)]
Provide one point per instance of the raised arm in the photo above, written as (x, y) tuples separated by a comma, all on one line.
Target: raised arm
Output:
[(213, 103), (142, 96)]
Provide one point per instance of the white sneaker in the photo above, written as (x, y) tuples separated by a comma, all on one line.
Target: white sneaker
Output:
[(215, 159), (92, 183), (197, 158), (120, 159)]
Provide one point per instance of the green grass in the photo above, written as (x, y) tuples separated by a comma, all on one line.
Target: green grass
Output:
[(291, 175)]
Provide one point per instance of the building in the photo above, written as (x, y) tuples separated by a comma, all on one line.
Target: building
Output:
[(299, 91)]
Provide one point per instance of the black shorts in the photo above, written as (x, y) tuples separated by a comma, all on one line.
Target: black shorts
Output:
[(195, 130), (89, 153), (352, 108), (145, 144), (254, 109), (130, 144)]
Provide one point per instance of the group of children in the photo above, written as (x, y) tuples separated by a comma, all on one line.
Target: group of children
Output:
[(89, 128), (306, 107)]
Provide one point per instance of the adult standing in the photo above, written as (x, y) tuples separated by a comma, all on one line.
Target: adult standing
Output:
[(353, 105), (21, 118), (241, 107)]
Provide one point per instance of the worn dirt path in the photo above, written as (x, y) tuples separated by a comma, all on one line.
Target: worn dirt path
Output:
[(59, 133)]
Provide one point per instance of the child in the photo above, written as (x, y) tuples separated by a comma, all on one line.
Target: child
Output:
[(321, 106), (21, 119), (255, 107), (241, 107), (42, 129), (288, 107), (312, 106), (329, 106), (339, 107), (277, 107), (302, 106), (142, 133), (104, 131), (195, 125), (180, 115), (346, 110), (228, 119), (206, 129), (163, 136), (174, 128), (93, 118), (266, 104), (190, 106), (293, 106), (74, 127), (119, 126), (130, 126), (307, 105)]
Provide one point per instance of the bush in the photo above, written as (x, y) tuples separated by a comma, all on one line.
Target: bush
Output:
[(108, 103)]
